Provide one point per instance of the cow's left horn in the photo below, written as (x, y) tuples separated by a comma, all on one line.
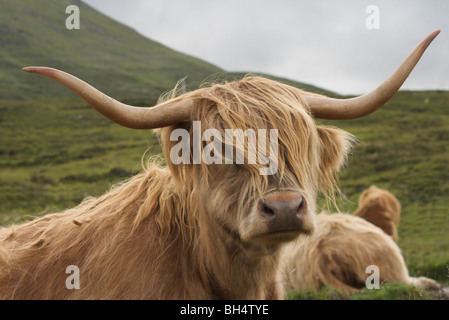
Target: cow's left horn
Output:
[(165, 114), (343, 109)]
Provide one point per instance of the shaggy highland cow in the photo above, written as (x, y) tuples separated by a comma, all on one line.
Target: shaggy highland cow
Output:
[(193, 231), (381, 208), (338, 253)]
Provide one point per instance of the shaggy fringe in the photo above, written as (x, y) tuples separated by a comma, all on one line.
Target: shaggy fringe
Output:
[(248, 104)]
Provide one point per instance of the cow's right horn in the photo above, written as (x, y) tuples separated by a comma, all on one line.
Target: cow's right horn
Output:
[(165, 114)]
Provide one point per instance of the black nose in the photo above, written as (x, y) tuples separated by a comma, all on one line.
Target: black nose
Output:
[(283, 213)]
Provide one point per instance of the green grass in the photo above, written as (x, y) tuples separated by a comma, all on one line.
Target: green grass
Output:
[(388, 291), (53, 153)]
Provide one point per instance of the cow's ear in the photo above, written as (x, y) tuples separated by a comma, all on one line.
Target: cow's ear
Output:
[(335, 147)]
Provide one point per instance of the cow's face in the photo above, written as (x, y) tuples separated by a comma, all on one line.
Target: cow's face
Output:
[(265, 199)]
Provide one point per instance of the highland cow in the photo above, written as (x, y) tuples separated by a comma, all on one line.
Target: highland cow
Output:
[(381, 208), (194, 231), (338, 254)]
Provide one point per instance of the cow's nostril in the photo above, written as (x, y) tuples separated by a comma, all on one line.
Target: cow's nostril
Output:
[(266, 209)]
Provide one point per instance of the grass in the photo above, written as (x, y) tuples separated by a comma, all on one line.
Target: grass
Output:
[(82, 154), (388, 291)]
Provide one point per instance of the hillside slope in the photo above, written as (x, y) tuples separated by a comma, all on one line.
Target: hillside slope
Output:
[(103, 52)]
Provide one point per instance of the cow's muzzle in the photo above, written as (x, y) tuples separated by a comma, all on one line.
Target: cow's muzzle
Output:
[(283, 212)]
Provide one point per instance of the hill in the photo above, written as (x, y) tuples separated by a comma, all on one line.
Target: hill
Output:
[(103, 52)]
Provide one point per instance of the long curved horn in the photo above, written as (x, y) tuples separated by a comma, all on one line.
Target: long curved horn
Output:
[(343, 109), (163, 115)]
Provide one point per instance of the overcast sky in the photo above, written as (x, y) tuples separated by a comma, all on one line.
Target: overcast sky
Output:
[(324, 42)]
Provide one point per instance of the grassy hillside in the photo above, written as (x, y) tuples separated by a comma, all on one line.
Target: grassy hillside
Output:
[(103, 52)]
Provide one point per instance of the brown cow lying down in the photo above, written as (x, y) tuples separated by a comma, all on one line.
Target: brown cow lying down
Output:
[(381, 208), (338, 253)]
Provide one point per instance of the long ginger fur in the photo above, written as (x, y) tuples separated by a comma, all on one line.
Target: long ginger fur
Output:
[(181, 231)]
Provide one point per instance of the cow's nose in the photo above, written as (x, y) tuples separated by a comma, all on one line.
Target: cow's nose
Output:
[(283, 213)]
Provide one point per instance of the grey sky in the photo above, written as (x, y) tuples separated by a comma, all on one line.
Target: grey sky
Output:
[(324, 42)]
